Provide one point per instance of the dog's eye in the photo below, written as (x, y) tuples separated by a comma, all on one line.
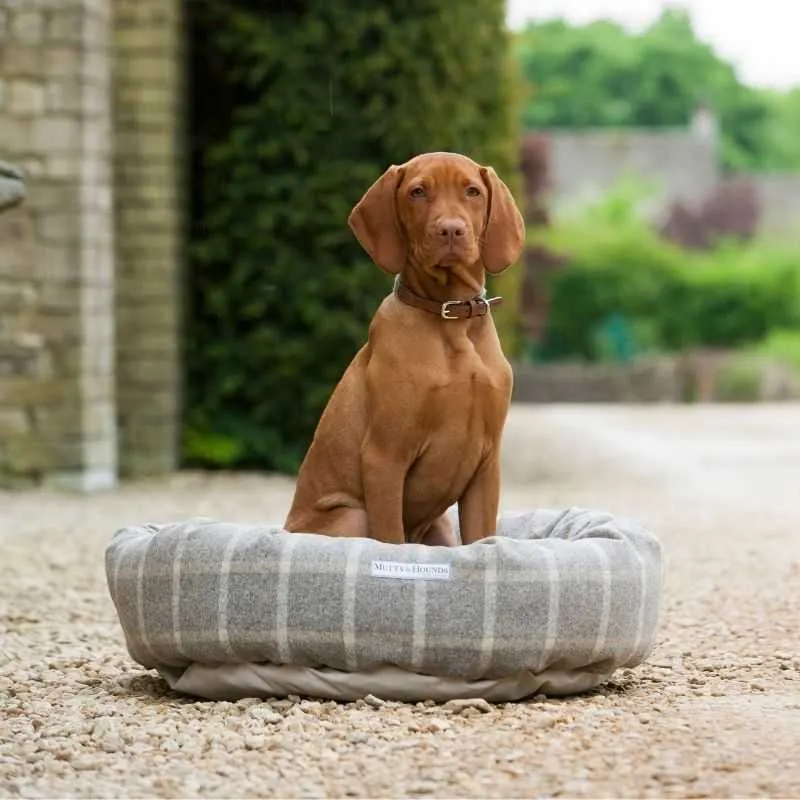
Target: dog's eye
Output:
[(473, 191), (417, 191)]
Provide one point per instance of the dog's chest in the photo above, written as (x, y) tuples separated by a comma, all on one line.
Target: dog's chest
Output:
[(465, 362), (466, 393), (472, 374)]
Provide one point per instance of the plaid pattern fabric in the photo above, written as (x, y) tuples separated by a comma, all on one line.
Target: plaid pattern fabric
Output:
[(570, 589)]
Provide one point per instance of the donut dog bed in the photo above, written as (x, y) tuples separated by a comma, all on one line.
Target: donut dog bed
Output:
[(553, 604)]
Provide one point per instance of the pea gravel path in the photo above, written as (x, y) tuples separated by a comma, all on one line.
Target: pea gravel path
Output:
[(715, 712)]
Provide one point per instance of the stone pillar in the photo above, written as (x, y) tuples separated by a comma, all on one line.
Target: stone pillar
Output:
[(57, 406), (148, 173)]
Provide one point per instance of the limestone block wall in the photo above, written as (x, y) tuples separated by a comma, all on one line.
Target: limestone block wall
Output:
[(148, 43), (57, 394), (90, 281), (679, 164)]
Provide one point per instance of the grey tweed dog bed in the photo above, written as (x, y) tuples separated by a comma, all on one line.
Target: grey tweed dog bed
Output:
[(553, 604)]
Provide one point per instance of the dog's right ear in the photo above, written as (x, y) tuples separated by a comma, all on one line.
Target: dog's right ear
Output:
[(374, 222)]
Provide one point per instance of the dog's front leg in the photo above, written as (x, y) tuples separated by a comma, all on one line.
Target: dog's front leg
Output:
[(383, 472), (478, 506)]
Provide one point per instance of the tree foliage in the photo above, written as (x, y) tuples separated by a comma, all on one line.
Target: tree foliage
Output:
[(297, 108), (601, 74)]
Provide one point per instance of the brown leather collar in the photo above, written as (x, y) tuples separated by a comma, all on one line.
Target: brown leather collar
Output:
[(450, 309)]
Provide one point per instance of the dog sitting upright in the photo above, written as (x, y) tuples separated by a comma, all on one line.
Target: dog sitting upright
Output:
[(416, 421)]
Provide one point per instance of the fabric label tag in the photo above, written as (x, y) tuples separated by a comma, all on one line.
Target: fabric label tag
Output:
[(410, 572)]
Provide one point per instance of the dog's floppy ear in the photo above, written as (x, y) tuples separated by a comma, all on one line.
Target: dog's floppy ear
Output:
[(504, 235), (375, 224)]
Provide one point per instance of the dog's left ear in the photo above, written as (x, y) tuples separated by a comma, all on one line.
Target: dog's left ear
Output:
[(504, 235), (374, 222)]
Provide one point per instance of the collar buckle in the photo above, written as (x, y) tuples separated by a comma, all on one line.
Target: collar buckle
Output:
[(445, 312)]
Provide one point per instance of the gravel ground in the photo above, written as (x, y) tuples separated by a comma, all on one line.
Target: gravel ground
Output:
[(714, 713)]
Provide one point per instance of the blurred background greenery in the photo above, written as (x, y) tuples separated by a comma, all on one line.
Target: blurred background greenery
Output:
[(603, 75), (298, 106)]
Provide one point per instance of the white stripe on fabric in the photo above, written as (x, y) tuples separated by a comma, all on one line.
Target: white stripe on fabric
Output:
[(553, 608), (489, 609), (282, 600), (605, 607), (176, 590), (420, 622), (224, 582), (349, 604), (637, 642), (145, 638)]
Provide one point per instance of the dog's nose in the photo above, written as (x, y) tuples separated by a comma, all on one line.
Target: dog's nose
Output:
[(451, 229)]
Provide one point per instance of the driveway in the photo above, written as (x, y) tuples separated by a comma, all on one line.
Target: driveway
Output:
[(714, 713)]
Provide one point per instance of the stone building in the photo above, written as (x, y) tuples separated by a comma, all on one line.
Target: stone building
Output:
[(90, 108)]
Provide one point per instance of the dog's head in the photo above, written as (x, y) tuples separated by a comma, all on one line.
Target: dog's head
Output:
[(440, 213)]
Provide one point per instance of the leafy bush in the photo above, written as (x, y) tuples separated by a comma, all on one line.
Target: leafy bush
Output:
[(297, 108), (731, 297), (662, 298)]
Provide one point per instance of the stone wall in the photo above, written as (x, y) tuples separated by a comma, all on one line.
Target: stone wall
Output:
[(651, 381), (89, 265), (56, 251), (701, 375), (679, 165), (148, 99)]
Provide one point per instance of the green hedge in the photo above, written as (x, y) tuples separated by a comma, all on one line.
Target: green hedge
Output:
[(625, 284), (297, 108)]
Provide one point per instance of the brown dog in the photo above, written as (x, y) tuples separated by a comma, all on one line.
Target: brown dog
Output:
[(415, 423)]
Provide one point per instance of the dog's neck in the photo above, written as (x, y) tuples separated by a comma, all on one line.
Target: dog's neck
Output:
[(429, 288)]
